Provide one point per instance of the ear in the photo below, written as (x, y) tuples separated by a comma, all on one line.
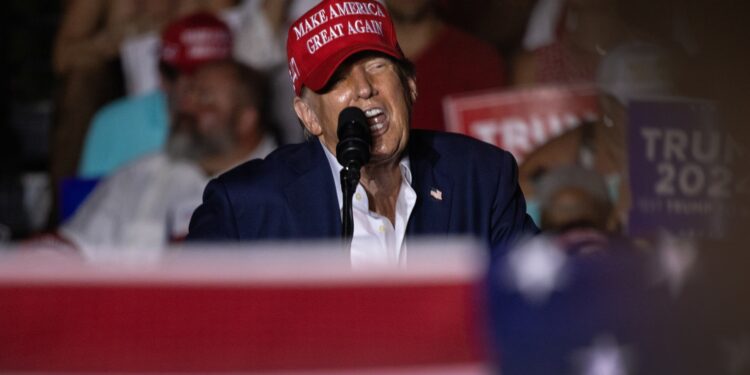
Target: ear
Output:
[(412, 82), (308, 116)]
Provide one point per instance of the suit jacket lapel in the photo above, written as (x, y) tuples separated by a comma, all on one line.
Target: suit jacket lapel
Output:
[(312, 194), (431, 214), (314, 206)]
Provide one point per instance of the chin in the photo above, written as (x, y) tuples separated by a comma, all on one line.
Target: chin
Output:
[(381, 158)]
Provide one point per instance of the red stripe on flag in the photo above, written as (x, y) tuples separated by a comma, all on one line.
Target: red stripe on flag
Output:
[(137, 328)]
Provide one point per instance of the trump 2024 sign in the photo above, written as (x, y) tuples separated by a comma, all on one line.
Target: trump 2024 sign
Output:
[(685, 170)]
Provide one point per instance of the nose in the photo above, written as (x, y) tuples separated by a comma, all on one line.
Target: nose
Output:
[(186, 101), (361, 83)]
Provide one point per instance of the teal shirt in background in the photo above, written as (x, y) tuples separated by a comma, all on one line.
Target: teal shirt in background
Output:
[(123, 131)]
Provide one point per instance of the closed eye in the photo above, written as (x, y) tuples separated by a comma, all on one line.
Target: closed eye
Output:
[(377, 64)]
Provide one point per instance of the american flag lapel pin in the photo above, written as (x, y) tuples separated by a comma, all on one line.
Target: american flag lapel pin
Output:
[(436, 194)]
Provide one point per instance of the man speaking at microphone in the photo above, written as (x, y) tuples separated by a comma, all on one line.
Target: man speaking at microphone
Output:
[(344, 54)]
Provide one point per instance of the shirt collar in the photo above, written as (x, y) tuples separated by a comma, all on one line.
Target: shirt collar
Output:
[(336, 168)]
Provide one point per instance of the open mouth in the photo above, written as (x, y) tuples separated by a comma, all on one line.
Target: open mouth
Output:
[(376, 119)]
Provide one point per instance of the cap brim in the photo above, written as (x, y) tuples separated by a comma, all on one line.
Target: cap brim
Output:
[(320, 74)]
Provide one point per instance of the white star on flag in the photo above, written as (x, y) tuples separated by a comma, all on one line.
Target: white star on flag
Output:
[(536, 268), (604, 357), (676, 259)]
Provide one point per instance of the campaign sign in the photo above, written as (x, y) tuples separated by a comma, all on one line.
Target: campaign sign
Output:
[(682, 169), (521, 120)]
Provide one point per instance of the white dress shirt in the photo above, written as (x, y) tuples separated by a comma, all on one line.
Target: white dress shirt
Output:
[(376, 241), (147, 204)]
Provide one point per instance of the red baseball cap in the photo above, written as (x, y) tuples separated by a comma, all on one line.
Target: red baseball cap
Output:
[(195, 39), (325, 36)]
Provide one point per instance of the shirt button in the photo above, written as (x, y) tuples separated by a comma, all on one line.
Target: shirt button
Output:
[(381, 229), (358, 196)]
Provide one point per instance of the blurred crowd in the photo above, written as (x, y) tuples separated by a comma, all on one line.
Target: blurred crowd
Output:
[(145, 101)]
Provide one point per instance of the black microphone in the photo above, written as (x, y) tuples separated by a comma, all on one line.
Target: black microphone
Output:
[(352, 152), (353, 149)]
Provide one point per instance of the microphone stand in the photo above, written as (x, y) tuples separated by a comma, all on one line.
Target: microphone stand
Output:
[(352, 152), (349, 178)]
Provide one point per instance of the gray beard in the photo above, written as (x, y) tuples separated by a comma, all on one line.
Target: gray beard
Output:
[(186, 144), (182, 146)]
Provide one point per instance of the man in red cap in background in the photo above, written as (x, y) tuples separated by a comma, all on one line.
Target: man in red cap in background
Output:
[(131, 127), (221, 121), (219, 117), (345, 54)]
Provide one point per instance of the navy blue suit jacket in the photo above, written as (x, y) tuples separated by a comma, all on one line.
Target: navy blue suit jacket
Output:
[(291, 194)]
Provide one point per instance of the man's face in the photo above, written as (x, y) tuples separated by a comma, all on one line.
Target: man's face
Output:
[(175, 91), (206, 115), (575, 206), (373, 84)]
